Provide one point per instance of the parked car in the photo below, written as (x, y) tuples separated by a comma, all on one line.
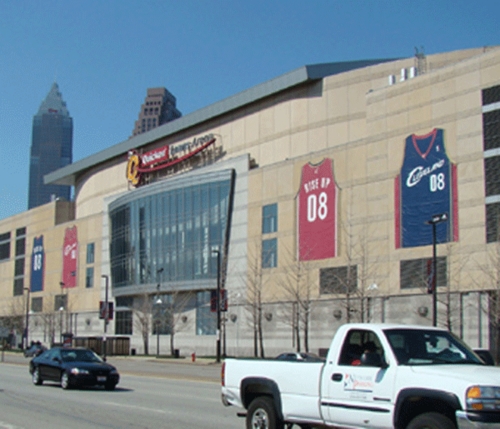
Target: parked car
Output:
[(73, 367), (300, 356), (485, 355), (34, 350)]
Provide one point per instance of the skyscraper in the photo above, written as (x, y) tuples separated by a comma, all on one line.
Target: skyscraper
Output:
[(51, 148), (158, 108)]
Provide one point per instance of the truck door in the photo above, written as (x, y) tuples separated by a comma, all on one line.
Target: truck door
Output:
[(357, 390)]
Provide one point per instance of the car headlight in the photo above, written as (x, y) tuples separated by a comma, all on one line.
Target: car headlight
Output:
[(483, 398), (113, 371), (78, 371)]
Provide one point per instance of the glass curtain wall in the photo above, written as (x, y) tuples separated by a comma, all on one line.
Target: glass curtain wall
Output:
[(174, 229)]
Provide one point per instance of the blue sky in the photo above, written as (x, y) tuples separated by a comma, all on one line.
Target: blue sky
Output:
[(104, 54)]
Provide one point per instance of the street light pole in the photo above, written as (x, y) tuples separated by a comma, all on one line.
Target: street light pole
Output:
[(106, 315), (217, 301), (158, 302), (27, 317), (443, 217)]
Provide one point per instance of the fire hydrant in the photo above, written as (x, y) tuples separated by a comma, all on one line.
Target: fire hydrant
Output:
[(193, 357)]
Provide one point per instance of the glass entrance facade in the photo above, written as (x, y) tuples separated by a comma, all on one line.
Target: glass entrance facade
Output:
[(166, 232)]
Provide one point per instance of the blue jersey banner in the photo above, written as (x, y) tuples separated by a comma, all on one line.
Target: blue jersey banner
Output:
[(425, 187), (37, 264)]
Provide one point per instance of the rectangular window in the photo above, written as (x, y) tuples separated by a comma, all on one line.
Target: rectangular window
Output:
[(37, 305), (491, 129), (340, 280), (492, 222), (123, 323), (269, 218), (416, 273), (270, 253), (19, 267), (5, 246), (492, 176), (20, 246), (90, 253), (18, 286), (89, 277), (491, 95)]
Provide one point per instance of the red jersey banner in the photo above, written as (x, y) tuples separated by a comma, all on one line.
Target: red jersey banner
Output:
[(70, 257), (317, 212)]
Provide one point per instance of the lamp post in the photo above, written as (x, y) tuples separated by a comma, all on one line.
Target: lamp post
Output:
[(217, 303), (442, 217), (61, 309), (27, 322), (64, 303), (106, 314), (158, 303)]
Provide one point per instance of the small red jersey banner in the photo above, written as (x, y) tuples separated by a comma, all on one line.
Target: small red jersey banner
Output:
[(317, 212), (70, 257)]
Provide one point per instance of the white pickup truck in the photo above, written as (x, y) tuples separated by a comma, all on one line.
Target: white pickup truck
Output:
[(374, 376)]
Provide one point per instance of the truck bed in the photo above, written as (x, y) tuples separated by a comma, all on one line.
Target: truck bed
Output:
[(298, 383)]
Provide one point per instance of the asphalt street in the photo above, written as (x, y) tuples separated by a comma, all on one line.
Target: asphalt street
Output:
[(182, 368)]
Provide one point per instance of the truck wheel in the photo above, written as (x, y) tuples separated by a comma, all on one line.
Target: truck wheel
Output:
[(431, 421), (262, 415)]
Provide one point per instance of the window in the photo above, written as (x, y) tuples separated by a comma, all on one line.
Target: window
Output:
[(492, 175), (269, 218), (358, 342), (18, 286), (342, 280), (20, 241), (492, 222), (37, 305), (123, 323), (270, 253), (416, 273), (19, 267), (491, 129), (90, 253), (5, 246), (491, 95), (89, 277)]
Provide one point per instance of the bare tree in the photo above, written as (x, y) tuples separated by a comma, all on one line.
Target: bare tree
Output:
[(298, 289), (142, 310), (254, 300), (490, 268), (170, 314)]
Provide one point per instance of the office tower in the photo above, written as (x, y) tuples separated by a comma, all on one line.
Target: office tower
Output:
[(158, 108), (51, 148)]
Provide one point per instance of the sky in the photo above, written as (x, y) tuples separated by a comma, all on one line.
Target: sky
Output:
[(104, 54)]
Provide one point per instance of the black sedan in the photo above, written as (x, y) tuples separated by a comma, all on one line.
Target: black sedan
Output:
[(73, 367), (34, 350)]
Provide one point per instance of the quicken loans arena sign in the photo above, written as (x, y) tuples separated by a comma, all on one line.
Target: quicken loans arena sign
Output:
[(164, 157)]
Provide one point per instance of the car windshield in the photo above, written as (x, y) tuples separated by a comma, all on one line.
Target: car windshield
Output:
[(79, 356), (429, 347)]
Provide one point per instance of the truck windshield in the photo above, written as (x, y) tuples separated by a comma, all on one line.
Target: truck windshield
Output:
[(429, 347)]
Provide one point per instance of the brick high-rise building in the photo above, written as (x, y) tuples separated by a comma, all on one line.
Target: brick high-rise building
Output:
[(51, 148), (158, 108)]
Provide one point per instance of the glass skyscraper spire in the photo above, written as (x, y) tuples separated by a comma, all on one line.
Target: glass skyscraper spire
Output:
[(51, 148)]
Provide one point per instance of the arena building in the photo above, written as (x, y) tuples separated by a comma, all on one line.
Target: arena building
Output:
[(355, 191)]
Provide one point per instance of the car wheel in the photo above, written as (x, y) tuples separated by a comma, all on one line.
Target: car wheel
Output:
[(431, 421), (65, 383), (110, 386), (262, 415), (35, 377)]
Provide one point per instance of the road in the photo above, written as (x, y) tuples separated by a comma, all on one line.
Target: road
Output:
[(150, 395)]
